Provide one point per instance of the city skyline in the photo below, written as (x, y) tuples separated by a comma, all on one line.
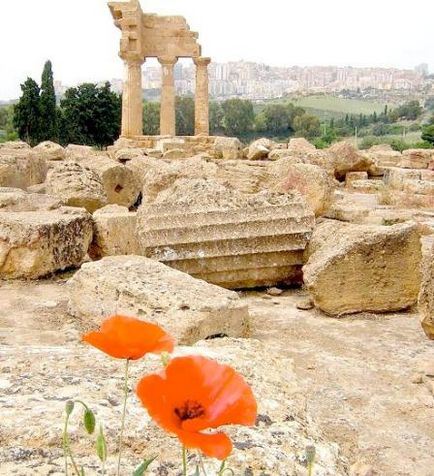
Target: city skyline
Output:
[(82, 42)]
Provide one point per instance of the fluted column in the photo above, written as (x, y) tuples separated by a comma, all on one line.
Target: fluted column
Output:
[(132, 99), (201, 115), (167, 111)]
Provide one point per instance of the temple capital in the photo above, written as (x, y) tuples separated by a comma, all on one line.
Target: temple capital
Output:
[(167, 60), (202, 61)]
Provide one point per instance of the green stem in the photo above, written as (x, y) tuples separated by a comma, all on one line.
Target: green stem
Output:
[(184, 461), (121, 435), (309, 469), (202, 465), (67, 449)]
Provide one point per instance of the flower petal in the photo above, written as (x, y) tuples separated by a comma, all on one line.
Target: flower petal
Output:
[(151, 391), (214, 445), (130, 338)]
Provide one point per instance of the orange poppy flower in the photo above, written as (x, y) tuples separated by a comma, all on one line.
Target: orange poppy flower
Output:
[(195, 393), (125, 337)]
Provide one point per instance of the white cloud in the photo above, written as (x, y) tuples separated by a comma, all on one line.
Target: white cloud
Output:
[(82, 42)]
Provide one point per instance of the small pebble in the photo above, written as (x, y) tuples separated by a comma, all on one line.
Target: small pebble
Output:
[(304, 304), (274, 292)]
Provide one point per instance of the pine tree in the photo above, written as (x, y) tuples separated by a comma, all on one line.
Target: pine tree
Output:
[(27, 113), (49, 123)]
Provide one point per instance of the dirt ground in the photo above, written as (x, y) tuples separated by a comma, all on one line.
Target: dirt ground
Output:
[(368, 380)]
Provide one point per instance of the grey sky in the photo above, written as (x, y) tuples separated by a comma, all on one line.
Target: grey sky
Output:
[(80, 39)]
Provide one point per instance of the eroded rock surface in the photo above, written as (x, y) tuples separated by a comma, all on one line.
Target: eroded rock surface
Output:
[(76, 186), (188, 308), (356, 268), (37, 243), (218, 234), (114, 232), (426, 295)]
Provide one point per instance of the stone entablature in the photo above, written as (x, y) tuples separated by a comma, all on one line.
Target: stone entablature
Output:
[(166, 38)]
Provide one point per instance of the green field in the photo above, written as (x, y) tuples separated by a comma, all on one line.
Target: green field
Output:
[(327, 107)]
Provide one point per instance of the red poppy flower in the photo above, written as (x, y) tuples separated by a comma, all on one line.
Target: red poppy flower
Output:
[(195, 393), (129, 338)]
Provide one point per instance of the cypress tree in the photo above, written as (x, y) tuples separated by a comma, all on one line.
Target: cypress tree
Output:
[(49, 123), (27, 113)]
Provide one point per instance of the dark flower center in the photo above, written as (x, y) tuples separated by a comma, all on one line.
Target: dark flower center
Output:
[(189, 410)]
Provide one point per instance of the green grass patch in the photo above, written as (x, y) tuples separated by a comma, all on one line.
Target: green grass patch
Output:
[(328, 107)]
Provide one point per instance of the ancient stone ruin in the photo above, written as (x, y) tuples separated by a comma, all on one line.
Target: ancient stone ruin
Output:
[(167, 38), (309, 271)]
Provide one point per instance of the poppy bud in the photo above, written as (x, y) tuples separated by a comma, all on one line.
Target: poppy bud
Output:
[(69, 407), (89, 421), (101, 445)]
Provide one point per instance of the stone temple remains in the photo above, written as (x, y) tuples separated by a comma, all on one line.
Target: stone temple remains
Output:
[(166, 38)]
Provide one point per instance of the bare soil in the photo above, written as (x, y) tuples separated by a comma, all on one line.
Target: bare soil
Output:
[(368, 379)]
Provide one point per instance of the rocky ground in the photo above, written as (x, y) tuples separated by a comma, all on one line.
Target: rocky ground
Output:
[(360, 389)]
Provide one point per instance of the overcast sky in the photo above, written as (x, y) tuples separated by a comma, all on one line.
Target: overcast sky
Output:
[(81, 41)]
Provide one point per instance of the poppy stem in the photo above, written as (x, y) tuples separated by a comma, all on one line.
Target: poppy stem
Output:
[(121, 435), (67, 448), (184, 461)]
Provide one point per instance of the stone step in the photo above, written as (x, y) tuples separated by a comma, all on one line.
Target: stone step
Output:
[(234, 247), (226, 231), (238, 263)]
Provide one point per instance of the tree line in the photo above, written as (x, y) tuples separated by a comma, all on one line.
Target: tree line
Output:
[(91, 115), (88, 114)]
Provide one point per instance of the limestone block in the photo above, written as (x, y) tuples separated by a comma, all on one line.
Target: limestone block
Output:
[(157, 175), (50, 151), (121, 185), (155, 153), (357, 268), (246, 176), (228, 148), (426, 295), (17, 200), (175, 154), (21, 167), (395, 177), (351, 176), (367, 186), (300, 146), (346, 158), (312, 182), (114, 232), (188, 308), (218, 234), (128, 153), (415, 159), (422, 187), (15, 145), (76, 186), (37, 243), (277, 154), (427, 175), (259, 149), (77, 152)]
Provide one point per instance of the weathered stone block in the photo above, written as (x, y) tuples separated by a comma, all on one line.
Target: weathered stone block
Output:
[(114, 232), (426, 295), (224, 237), (35, 244), (121, 185), (188, 308), (356, 268), (76, 186)]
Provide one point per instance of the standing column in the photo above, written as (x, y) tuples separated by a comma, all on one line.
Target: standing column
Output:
[(132, 99), (167, 111), (201, 115)]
